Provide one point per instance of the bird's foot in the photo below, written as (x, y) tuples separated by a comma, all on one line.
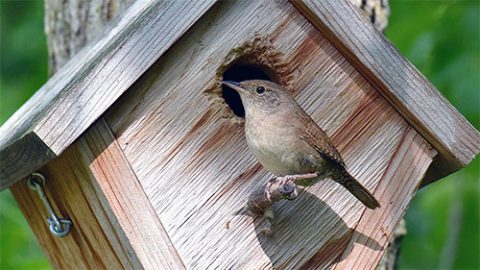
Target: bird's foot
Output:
[(275, 190), (261, 201), (281, 188)]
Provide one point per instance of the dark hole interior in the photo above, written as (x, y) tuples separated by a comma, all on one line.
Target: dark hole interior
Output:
[(238, 73)]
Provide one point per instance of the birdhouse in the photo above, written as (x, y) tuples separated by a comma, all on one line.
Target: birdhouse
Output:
[(140, 158)]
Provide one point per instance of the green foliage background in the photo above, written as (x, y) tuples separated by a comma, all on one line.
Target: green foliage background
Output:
[(442, 39), (23, 69)]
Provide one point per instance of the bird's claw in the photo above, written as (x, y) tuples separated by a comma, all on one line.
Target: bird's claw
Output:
[(289, 190), (277, 189)]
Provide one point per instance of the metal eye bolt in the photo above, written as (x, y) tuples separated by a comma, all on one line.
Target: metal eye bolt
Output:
[(58, 226)]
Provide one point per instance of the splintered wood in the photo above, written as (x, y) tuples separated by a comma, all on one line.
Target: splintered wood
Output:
[(193, 163)]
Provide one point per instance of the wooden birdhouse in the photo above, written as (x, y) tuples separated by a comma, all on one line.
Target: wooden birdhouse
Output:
[(144, 152)]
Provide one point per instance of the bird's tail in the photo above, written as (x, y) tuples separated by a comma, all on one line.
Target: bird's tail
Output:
[(357, 189)]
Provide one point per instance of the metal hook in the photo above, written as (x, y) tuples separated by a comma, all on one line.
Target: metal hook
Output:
[(58, 226)]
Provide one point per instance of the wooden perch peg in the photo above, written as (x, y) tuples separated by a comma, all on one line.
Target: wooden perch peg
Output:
[(261, 201)]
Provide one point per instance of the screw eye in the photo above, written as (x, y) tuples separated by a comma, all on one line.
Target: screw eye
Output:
[(260, 90)]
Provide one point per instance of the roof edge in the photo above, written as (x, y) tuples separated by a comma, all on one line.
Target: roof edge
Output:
[(81, 91), (21, 158), (402, 85)]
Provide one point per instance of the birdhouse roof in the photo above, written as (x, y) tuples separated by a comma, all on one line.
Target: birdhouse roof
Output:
[(80, 92)]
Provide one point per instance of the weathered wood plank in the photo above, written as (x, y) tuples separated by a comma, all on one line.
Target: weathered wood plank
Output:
[(96, 240), (409, 164), (189, 152), (130, 206), (412, 95), (115, 225), (33, 152), (88, 84)]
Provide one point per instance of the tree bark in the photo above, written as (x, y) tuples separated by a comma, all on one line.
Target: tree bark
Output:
[(70, 25), (377, 11), (389, 260)]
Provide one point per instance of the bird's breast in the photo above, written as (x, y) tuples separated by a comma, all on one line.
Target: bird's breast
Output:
[(275, 147)]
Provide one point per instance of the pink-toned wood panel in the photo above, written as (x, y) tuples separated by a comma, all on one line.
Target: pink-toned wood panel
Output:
[(409, 164)]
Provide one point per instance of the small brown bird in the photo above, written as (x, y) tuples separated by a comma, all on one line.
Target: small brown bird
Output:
[(287, 142)]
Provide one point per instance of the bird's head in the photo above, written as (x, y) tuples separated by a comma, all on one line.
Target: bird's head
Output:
[(260, 95)]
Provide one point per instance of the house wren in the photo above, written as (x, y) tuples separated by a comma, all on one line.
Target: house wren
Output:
[(288, 143)]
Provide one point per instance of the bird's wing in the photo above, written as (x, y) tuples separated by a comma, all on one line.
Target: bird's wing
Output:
[(314, 136)]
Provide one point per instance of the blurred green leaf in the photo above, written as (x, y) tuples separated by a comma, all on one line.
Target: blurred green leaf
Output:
[(23, 66), (23, 53), (18, 247), (442, 39)]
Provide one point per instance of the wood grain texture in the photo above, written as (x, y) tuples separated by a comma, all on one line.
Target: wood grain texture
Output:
[(117, 190), (409, 163), (88, 84), (130, 206), (190, 156), (115, 226), (96, 240), (411, 94), (70, 25), (29, 148)]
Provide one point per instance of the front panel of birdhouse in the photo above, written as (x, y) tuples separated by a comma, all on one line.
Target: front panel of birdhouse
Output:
[(164, 175)]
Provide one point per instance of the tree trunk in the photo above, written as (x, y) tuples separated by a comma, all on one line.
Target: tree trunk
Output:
[(389, 260), (70, 25)]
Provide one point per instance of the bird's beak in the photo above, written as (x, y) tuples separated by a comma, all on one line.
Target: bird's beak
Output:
[(235, 86)]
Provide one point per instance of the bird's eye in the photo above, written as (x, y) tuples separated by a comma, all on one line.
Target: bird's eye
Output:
[(260, 90)]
